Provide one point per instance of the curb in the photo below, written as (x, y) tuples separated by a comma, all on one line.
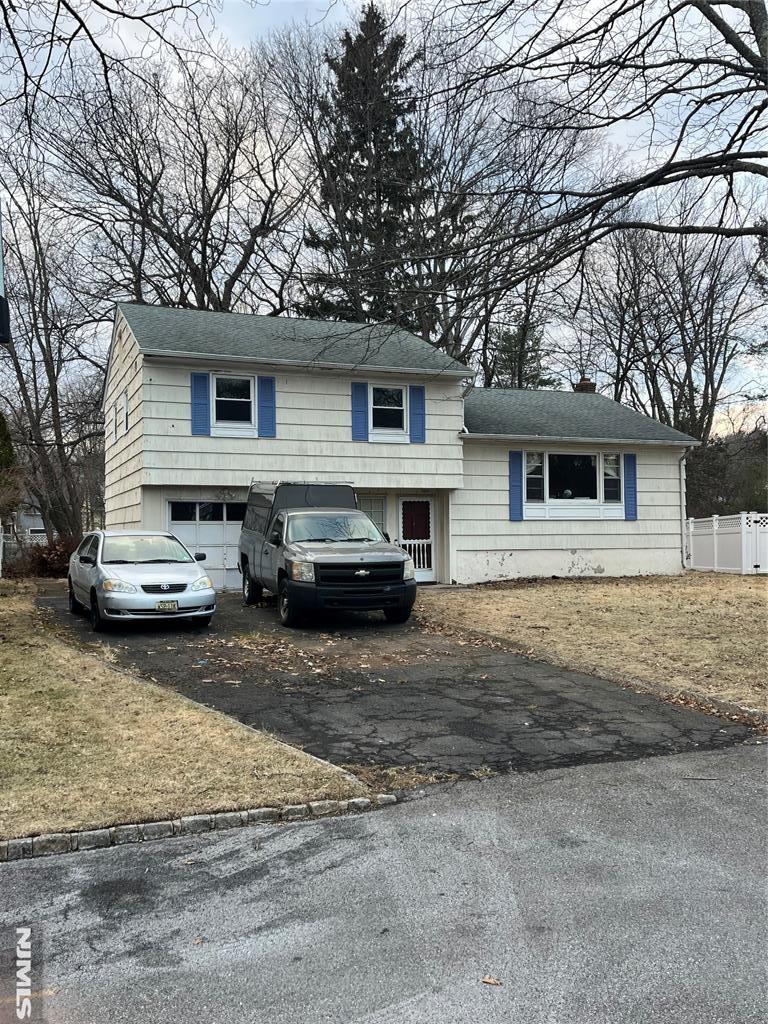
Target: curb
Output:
[(50, 843)]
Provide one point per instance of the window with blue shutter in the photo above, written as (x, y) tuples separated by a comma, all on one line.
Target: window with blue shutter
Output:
[(201, 403), (516, 487), (417, 414), (266, 407), (630, 487), (359, 411)]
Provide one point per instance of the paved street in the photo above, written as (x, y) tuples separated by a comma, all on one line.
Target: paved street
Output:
[(612, 893)]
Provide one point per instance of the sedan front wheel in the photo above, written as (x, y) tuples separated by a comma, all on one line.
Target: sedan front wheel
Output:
[(97, 622)]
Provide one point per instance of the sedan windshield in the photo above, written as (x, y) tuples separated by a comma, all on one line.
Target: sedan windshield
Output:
[(337, 528), (141, 550)]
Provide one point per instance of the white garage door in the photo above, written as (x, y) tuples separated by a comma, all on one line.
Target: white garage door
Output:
[(214, 528)]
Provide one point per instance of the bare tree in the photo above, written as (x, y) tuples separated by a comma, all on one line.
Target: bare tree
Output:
[(667, 320), (43, 41), (191, 182), (684, 85), (51, 371)]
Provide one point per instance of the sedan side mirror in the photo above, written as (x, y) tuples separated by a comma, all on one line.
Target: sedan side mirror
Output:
[(200, 556), (87, 560)]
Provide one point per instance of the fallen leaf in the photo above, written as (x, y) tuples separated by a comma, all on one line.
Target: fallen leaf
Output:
[(490, 980)]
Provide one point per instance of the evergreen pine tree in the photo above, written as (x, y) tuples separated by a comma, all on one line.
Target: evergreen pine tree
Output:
[(371, 174)]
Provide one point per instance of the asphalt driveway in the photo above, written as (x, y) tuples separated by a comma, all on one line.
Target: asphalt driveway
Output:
[(360, 692)]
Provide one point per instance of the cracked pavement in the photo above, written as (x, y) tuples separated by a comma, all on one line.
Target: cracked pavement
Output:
[(360, 692)]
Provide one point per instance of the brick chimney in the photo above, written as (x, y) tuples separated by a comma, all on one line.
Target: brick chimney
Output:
[(586, 385)]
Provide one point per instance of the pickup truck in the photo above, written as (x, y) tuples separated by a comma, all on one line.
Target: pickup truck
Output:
[(309, 544)]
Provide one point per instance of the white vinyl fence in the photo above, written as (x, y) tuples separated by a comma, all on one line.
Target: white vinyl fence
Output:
[(736, 543)]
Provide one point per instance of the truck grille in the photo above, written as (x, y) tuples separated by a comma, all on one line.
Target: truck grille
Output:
[(163, 588), (380, 574)]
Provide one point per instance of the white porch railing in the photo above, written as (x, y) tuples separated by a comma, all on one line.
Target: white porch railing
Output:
[(737, 543)]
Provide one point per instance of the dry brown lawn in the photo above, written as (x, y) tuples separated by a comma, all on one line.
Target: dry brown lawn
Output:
[(702, 631), (83, 745)]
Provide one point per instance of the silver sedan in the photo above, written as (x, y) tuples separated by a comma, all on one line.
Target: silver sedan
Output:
[(116, 575)]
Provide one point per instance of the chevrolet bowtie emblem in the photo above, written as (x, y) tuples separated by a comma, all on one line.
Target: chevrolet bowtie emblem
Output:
[(362, 572)]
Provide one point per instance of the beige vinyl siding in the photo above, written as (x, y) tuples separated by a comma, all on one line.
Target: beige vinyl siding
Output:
[(123, 454), (486, 545), (314, 436)]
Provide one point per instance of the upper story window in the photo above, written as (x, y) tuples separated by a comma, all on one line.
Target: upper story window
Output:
[(389, 411), (577, 478), (233, 400)]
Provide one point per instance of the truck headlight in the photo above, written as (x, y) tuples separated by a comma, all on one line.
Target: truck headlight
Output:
[(204, 583), (409, 571), (118, 587), (304, 571)]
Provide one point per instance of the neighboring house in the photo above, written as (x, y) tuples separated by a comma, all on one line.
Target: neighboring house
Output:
[(494, 485), (26, 524)]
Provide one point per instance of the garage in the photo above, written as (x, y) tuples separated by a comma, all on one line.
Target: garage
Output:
[(212, 527)]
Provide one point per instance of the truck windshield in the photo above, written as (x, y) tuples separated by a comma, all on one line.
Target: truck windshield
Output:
[(140, 549), (335, 528)]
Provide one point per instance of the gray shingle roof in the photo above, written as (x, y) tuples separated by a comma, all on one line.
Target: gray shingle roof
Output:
[(197, 332), (561, 415)]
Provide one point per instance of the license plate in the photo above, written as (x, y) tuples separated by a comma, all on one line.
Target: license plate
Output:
[(167, 606)]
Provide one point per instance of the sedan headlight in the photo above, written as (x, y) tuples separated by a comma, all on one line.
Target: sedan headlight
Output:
[(204, 583), (118, 587), (409, 570), (304, 571)]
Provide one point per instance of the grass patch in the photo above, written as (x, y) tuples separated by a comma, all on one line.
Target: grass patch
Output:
[(83, 745), (700, 631)]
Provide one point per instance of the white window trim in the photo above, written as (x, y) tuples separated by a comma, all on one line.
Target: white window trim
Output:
[(382, 436), (226, 428), (573, 508)]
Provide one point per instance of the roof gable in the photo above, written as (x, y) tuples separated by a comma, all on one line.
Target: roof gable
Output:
[(561, 415), (205, 334)]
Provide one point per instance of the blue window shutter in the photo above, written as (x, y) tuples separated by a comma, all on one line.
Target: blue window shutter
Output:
[(359, 411), (516, 487), (630, 487), (266, 407), (201, 403), (417, 414)]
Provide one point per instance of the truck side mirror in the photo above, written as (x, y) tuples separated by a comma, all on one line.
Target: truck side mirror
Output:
[(274, 538)]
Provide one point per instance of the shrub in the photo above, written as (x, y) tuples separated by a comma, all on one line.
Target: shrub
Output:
[(24, 559)]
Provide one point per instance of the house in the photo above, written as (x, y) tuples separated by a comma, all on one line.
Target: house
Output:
[(477, 484)]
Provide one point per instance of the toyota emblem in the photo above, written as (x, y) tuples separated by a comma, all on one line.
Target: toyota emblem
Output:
[(163, 586)]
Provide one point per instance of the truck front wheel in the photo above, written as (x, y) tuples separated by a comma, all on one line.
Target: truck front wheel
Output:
[(251, 590), (288, 614), (397, 614)]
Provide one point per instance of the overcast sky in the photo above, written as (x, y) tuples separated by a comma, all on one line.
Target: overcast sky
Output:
[(242, 22)]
